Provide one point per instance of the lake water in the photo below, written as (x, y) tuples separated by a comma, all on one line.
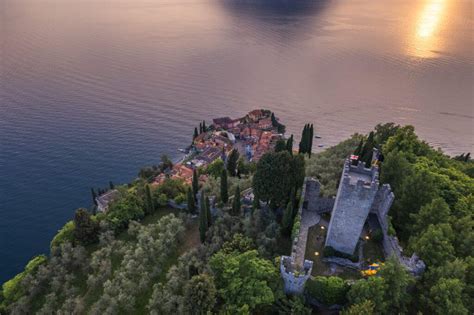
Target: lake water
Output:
[(92, 90)]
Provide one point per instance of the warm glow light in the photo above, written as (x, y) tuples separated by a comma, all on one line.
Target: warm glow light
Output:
[(425, 40), (430, 18), (367, 237), (316, 253), (322, 227)]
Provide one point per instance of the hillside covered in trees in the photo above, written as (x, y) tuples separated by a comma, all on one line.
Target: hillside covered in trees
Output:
[(142, 257)]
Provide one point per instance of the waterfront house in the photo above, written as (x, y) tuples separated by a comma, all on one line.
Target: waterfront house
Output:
[(103, 201), (226, 122), (256, 114)]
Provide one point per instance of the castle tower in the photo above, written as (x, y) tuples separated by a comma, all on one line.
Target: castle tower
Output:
[(355, 196)]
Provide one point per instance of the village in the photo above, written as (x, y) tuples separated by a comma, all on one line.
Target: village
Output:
[(252, 136)]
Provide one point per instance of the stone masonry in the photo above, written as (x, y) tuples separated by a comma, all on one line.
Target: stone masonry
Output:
[(355, 197), (295, 270), (358, 195), (381, 206)]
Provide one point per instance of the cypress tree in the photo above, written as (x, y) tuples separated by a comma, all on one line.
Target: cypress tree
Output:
[(200, 128), (304, 143), (195, 183), (232, 162), (111, 185), (287, 221), (94, 195), (256, 200), (236, 203), (301, 144), (280, 145), (274, 121), (191, 202), (310, 140), (195, 133), (208, 212), (358, 150), (224, 187), (150, 207), (289, 145), (86, 230), (204, 128), (293, 200), (203, 222), (368, 150)]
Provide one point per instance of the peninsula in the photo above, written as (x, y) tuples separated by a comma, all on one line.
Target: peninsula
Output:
[(249, 222)]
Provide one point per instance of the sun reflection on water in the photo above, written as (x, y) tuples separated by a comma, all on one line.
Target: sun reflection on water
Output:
[(425, 39)]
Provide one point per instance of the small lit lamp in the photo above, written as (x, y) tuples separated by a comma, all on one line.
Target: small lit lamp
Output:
[(316, 253)]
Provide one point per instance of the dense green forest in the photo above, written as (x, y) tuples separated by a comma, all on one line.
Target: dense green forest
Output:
[(141, 257)]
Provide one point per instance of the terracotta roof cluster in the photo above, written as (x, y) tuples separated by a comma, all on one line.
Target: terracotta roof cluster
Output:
[(225, 122), (255, 129), (265, 143)]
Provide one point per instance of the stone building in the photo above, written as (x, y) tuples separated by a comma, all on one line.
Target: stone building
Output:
[(359, 199), (355, 197), (103, 201)]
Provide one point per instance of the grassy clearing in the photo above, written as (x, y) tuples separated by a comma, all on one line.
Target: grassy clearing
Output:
[(314, 249), (373, 251), (314, 252)]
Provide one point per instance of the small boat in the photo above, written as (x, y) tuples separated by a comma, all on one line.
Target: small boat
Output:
[(317, 137), (320, 145), (183, 150)]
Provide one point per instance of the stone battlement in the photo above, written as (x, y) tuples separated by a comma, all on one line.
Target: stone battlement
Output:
[(294, 280), (355, 197), (359, 176), (294, 269)]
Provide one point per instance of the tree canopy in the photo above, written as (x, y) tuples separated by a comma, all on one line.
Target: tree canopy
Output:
[(276, 175), (244, 280)]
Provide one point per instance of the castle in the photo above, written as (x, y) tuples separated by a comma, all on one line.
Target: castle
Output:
[(359, 198), (358, 189)]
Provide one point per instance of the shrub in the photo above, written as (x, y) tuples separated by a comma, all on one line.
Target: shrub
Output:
[(180, 198), (12, 289), (377, 235), (122, 211), (328, 290), (161, 200), (296, 227), (215, 168), (65, 234), (171, 188)]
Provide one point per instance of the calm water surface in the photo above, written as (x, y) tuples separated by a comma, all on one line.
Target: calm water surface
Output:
[(92, 90)]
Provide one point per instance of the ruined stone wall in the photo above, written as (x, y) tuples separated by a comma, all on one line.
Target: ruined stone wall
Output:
[(325, 205), (313, 201), (382, 203), (294, 280), (294, 269), (352, 206)]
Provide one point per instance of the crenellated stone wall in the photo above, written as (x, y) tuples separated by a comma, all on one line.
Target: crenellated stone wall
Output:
[(355, 197), (381, 206), (294, 279), (294, 269)]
